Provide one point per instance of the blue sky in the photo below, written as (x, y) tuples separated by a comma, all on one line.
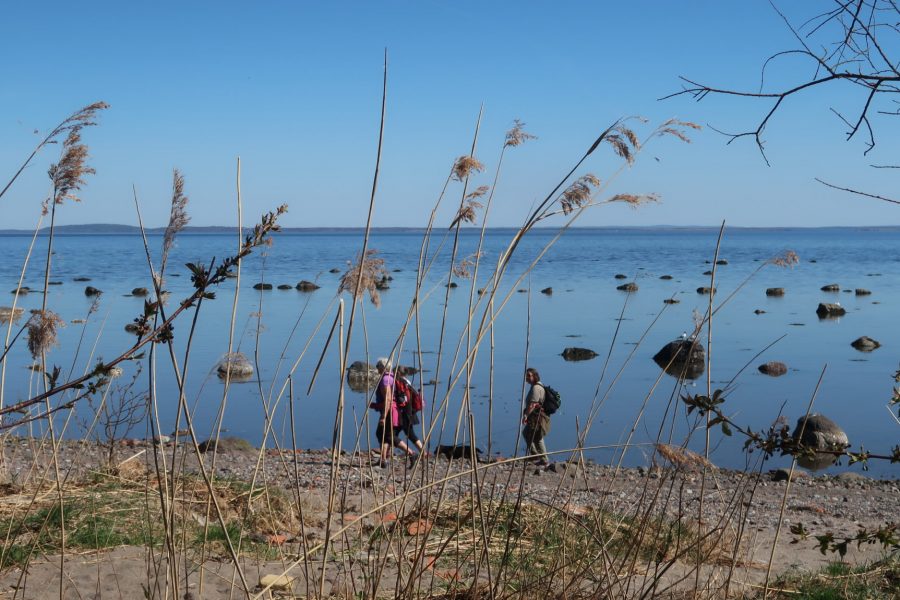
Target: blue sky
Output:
[(294, 89)]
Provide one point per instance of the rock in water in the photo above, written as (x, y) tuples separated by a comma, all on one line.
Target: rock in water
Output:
[(831, 287), (828, 310), (628, 287), (574, 354), (665, 277), (721, 261), (774, 291), (140, 292), (236, 365), (262, 286), (621, 276), (362, 377), (865, 344), (91, 291), (684, 359), (863, 292), (820, 433), (307, 286), (706, 290), (773, 368), (285, 286), (671, 301), (548, 291)]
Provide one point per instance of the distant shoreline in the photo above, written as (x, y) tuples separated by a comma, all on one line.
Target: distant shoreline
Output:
[(114, 229)]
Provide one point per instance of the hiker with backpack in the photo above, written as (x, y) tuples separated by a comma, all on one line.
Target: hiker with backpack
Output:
[(388, 430), (541, 402), (409, 401)]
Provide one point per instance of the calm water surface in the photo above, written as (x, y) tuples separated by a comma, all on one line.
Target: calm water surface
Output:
[(628, 393)]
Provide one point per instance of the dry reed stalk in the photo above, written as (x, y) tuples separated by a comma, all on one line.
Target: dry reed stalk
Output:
[(787, 486)]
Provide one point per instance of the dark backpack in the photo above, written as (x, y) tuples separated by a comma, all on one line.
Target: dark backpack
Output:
[(416, 400), (552, 400)]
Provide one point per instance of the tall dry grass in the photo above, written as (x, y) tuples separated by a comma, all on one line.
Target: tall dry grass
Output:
[(438, 528)]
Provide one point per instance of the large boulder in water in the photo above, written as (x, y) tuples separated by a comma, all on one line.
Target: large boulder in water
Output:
[(235, 365), (773, 368), (573, 354), (829, 310), (362, 377), (820, 433), (682, 358)]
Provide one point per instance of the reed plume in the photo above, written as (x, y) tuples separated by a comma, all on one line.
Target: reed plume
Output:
[(463, 268), (373, 271), (465, 165), (68, 174), (676, 128), (178, 218), (635, 200), (42, 332), (517, 135), (579, 193), (467, 212), (788, 258)]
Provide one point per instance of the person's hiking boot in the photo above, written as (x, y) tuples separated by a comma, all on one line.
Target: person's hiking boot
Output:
[(542, 462), (551, 467)]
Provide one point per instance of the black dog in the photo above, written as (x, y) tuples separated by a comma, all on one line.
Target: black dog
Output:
[(461, 451)]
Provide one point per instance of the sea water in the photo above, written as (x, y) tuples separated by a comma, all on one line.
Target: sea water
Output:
[(619, 396)]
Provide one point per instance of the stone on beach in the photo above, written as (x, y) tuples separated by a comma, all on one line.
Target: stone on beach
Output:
[(574, 354), (682, 358), (828, 310), (865, 344), (773, 368), (236, 365), (819, 433)]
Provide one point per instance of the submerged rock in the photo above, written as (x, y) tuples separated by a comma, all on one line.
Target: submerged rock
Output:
[(307, 286), (81, 279), (774, 291), (682, 358), (548, 291), (721, 261), (362, 377), (21, 290), (262, 286), (285, 286), (819, 433), (235, 365), (706, 290), (335, 270), (666, 277), (831, 287), (671, 301), (828, 310), (628, 287), (863, 292), (773, 368), (759, 311), (865, 344), (92, 291), (574, 354), (140, 292), (621, 276)]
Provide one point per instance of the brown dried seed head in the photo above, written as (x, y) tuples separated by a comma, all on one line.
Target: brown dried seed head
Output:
[(517, 136), (788, 259), (367, 273), (464, 166), (42, 332)]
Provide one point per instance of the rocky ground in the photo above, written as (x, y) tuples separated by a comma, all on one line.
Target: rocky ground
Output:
[(842, 505)]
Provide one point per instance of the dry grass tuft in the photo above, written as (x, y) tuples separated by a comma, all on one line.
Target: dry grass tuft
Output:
[(465, 165), (635, 200), (579, 193), (676, 128), (517, 135), (363, 276), (682, 458), (7, 314), (788, 258), (42, 331), (463, 268)]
